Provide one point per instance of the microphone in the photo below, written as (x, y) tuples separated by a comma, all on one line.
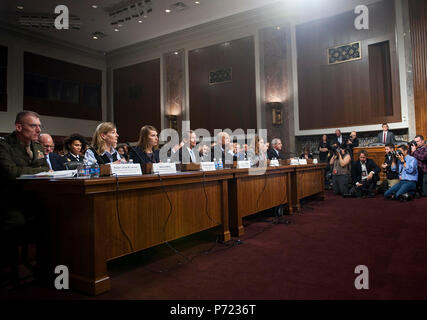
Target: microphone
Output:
[(135, 151)]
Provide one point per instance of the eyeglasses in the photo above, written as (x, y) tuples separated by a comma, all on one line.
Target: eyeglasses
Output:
[(34, 126), (47, 146)]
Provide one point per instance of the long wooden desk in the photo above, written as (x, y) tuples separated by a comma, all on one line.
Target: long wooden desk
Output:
[(91, 221), (95, 220)]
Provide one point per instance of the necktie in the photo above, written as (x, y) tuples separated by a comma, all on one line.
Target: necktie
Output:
[(385, 135), (193, 159), (48, 161)]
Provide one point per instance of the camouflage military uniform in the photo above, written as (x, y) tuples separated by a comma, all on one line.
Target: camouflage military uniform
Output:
[(15, 161)]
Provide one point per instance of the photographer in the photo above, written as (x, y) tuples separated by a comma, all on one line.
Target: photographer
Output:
[(419, 152), (408, 175), (389, 162), (352, 142), (365, 175), (340, 163)]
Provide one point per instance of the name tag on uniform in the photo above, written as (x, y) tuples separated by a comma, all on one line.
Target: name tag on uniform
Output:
[(244, 164), (126, 169), (164, 168), (207, 166)]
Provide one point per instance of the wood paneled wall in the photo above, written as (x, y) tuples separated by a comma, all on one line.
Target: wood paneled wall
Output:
[(136, 98), (3, 78), (225, 105), (418, 23), (340, 95), (61, 89)]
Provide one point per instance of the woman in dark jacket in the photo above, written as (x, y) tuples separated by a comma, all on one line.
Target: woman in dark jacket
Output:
[(146, 150), (74, 148)]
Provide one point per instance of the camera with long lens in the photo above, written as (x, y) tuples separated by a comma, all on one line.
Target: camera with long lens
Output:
[(399, 153), (412, 143)]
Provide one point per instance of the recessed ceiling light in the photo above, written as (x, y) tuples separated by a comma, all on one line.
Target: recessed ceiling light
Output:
[(95, 37), (145, 17), (116, 30), (197, 2), (167, 10), (176, 53), (20, 7), (139, 21), (94, 6), (277, 28), (120, 25)]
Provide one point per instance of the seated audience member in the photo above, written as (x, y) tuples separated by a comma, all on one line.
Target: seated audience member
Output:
[(419, 152), (146, 150), (338, 140), (104, 142), (187, 152), (306, 154), (275, 152), (324, 148), (122, 152), (389, 162), (238, 151), (408, 176), (73, 146), (385, 136), (54, 160), (365, 175), (20, 153), (256, 151), (340, 162), (352, 142), (223, 149)]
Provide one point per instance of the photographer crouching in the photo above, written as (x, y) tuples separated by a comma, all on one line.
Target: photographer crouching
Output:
[(365, 176), (340, 163), (419, 152), (389, 162), (408, 176)]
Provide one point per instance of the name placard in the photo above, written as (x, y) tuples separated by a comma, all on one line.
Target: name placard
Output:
[(302, 161), (244, 164), (294, 162), (274, 163), (164, 168), (126, 169), (207, 166), (314, 161)]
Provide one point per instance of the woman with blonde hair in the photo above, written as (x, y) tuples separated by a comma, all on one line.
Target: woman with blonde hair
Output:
[(104, 142), (146, 150)]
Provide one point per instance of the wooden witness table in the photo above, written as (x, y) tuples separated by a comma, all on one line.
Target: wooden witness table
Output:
[(92, 221)]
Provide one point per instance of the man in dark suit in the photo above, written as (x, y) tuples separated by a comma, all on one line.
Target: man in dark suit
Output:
[(352, 142), (187, 153), (338, 140), (276, 150), (223, 149), (386, 136), (54, 160), (365, 175)]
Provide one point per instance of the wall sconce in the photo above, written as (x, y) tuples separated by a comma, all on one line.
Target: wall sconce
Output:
[(172, 121), (276, 109)]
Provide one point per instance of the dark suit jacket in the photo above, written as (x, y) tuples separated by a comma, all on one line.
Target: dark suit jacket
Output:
[(217, 150), (271, 153), (389, 139), (335, 141), (139, 156), (356, 170), (56, 161), (183, 155)]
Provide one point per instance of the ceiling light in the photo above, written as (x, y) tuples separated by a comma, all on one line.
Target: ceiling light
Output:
[(116, 30), (176, 53), (94, 6), (139, 21), (120, 25), (20, 7), (167, 10), (145, 17), (277, 28), (197, 2), (95, 37)]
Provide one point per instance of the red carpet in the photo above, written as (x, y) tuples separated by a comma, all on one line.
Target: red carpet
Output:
[(312, 258)]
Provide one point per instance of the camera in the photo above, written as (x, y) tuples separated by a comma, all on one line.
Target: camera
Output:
[(399, 153), (412, 143)]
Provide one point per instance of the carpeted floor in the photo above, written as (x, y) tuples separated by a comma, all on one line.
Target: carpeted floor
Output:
[(312, 258)]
